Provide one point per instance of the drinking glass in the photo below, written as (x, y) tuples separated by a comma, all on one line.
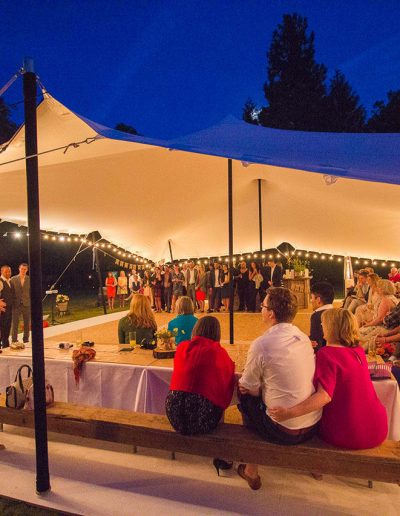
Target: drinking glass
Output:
[(132, 338)]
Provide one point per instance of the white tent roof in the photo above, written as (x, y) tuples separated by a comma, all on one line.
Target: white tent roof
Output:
[(139, 194)]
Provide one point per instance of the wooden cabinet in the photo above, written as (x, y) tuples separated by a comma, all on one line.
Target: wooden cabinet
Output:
[(301, 289)]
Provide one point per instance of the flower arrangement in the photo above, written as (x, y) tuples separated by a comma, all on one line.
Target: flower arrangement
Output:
[(385, 350), (300, 265), (62, 298), (164, 333)]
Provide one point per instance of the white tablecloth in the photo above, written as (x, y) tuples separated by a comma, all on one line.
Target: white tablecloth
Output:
[(143, 388)]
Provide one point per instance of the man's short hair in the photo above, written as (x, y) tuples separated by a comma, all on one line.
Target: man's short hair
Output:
[(363, 272), (283, 303), (5, 267), (23, 264), (325, 291)]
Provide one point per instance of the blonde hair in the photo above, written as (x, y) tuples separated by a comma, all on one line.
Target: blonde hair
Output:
[(387, 287), (374, 278), (340, 326), (184, 306), (140, 312)]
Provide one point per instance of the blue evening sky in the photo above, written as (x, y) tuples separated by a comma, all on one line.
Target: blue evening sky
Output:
[(170, 67)]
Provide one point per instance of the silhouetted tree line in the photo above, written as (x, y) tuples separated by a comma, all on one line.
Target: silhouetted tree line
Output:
[(299, 98)]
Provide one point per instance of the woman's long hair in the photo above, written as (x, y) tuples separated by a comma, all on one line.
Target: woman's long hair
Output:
[(141, 313)]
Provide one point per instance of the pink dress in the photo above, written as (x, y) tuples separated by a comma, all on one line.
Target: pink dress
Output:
[(355, 418)]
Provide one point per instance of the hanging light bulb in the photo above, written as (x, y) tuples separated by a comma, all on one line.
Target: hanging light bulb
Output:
[(53, 238), (331, 257), (46, 237), (315, 256), (307, 255), (322, 257)]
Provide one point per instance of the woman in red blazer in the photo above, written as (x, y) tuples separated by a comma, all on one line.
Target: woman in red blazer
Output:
[(202, 381)]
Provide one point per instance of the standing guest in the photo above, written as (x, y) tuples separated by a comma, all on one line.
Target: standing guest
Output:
[(243, 286), (216, 278), (202, 381), (365, 313), (322, 296), (184, 321), (111, 284), (201, 287), (157, 288), (353, 417), (255, 279), (134, 283), (167, 285), (191, 281), (274, 274), (122, 289), (21, 305), (147, 290), (7, 295), (225, 287), (184, 284), (140, 319), (279, 370), (177, 279), (209, 285)]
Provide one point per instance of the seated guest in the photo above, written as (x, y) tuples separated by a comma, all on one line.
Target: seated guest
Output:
[(360, 293), (386, 302), (202, 381), (140, 319), (353, 417), (322, 296), (394, 275), (365, 313), (279, 369), (185, 320)]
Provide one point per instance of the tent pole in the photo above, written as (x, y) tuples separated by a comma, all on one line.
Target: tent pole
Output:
[(100, 279), (260, 212), (230, 240), (34, 248), (170, 251)]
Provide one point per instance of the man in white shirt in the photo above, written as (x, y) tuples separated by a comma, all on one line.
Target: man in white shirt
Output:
[(279, 371), (191, 281)]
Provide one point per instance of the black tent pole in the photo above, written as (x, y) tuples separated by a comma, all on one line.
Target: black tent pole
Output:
[(170, 251), (34, 247), (99, 278), (230, 239), (260, 212)]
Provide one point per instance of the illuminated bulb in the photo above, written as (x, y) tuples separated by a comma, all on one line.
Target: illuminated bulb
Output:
[(124, 254), (263, 256), (76, 239), (339, 259), (255, 255), (374, 262), (293, 253), (234, 259), (17, 234), (393, 265), (206, 261), (299, 253), (114, 250), (383, 264), (248, 256), (331, 257), (271, 256), (220, 259), (227, 259), (53, 238), (241, 258), (322, 257), (46, 237), (96, 244), (102, 245), (278, 255), (108, 246), (90, 243), (357, 262), (315, 256), (307, 255), (61, 238), (129, 256), (286, 254), (366, 262), (68, 239), (82, 239), (119, 252), (198, 262)]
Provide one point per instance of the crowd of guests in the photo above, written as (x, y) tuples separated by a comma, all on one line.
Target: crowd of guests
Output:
[(165, 284), (15, 303), (293, 386)]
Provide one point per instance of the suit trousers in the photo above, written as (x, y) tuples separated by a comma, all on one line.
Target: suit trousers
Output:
[(191, 292), (5, 327), (216, 298), (168, 297), (17, 311)]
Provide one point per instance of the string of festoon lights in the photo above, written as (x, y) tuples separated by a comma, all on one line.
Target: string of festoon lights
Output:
[(126, 259)]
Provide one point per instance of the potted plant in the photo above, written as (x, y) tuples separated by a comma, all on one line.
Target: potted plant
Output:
[(300, 266), (62, 303)]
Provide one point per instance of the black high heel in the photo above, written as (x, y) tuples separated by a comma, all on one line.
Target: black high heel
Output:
[(222, 464)]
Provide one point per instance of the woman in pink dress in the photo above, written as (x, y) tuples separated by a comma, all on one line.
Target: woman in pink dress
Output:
[(353, 417)]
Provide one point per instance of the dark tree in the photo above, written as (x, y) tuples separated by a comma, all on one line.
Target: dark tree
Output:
[(295, 90), (7, 126), (126, 128), (344, 114), (386, 117), (250, 112)]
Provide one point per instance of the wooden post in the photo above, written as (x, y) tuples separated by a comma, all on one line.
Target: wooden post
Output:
[(34, 246), (260, 213), (230, 242)]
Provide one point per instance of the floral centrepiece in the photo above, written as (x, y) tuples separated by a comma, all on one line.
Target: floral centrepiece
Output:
[(62, 298), (167, 338), (385, 350)]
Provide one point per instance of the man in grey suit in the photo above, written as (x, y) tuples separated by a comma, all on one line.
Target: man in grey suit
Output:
[(21, 305)]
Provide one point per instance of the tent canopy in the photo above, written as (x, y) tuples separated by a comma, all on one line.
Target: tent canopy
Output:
[(140, 192)]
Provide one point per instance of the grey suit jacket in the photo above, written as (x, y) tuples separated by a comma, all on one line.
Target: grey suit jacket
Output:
[(22, 295)]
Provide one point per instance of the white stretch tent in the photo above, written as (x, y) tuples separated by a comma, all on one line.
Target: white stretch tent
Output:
[(139, 192)]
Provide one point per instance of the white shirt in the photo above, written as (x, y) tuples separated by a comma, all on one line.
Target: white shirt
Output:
[(191, 277), (216, 283), (272, 271), (282, 363), (6, 280), (324, 307)]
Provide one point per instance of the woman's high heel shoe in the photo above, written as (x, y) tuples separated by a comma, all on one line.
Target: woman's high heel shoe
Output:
[(222, 464)]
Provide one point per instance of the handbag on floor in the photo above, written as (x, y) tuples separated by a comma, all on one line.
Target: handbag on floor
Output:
[(16, 392)]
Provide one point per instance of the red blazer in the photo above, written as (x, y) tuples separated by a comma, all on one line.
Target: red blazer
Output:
[(202, 366)]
